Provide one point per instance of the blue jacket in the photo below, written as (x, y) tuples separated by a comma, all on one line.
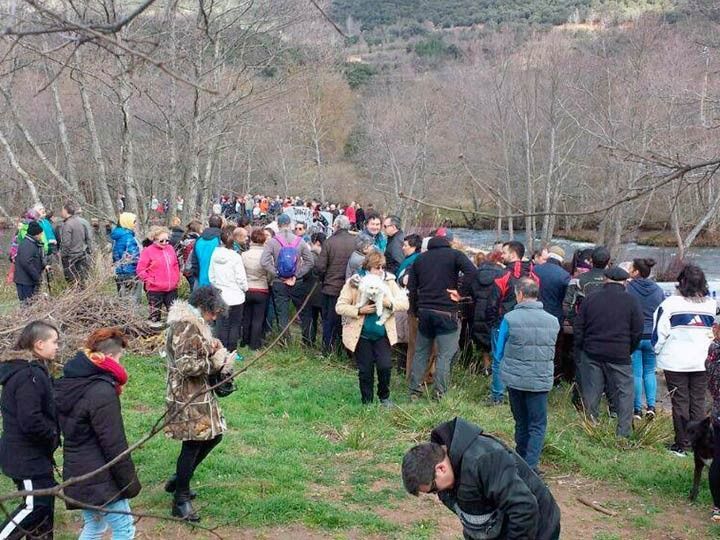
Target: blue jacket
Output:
[(650, 296), (554, 281), (202, 253), (526, 346), (125, 246)]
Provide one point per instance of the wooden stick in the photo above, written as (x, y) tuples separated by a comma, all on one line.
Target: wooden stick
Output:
[(595, 506)]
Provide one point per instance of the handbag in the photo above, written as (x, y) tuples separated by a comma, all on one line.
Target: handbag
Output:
[(226, 388)]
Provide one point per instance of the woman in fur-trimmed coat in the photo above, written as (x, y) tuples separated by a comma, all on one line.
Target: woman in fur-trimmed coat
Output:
[(193, 354)]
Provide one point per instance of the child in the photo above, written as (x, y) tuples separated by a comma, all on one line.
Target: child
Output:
[(712, 367), (29, 434), (88, 405)]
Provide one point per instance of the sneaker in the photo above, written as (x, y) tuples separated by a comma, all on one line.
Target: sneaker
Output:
[(637, 414), (715, 518), (414, 397), (677, 450), (650, 413), (387, 403), (492, 402), (486, 372)]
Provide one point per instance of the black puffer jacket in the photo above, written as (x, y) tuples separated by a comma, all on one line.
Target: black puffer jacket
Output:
[(494, 490), (482, 286), (93, 434), (30, 428), (29, 262)]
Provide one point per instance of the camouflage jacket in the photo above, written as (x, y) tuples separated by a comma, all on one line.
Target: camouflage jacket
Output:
[(190, 360)]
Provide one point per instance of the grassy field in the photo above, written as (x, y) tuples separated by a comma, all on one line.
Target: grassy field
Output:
[(304, 456)]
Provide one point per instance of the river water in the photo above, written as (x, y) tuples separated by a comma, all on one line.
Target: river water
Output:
[(707, 258)]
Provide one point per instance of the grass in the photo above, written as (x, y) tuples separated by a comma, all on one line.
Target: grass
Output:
[(302, 450)]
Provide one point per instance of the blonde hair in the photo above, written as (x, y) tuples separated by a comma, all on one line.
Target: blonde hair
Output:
[(373, 259), (176, 222), (127, 220), (156, 231)]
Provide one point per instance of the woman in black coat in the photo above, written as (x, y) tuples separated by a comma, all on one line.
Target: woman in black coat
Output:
[(488, 271), (88, 405)]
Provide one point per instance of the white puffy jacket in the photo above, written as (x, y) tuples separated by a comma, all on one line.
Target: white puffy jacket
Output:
[(227, 273), (682, 333)]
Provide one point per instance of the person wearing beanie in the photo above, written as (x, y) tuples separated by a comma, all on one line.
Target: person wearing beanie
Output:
[(30, 263), (607, 330), (125, 255)]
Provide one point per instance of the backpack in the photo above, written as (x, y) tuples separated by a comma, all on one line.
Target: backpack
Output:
[(289, 257), (185, 249)]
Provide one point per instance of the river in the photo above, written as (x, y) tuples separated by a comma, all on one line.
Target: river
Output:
[(707, 258)]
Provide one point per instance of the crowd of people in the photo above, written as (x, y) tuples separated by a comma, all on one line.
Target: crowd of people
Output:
[(358, 285)]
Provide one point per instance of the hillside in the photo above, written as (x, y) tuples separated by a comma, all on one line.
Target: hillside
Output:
[(371, 14)]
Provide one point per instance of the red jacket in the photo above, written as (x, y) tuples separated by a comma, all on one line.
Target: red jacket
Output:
[(350, 214), (158, 268)]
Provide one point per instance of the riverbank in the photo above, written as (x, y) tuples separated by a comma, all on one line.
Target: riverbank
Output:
[(652, 238)]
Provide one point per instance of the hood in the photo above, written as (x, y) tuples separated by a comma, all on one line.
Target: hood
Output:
[(78, 375), (223, 255), (182, 311), (487, 273), (438, 242), (120, 232), (529, 304), (519, 268), (13, 361), (457, 434), (210, 233), (642, 286)]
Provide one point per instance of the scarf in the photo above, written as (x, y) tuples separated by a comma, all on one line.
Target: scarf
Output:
[(111, 366)]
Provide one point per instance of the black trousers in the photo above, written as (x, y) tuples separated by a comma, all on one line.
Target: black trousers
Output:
[(26, 292), (156, 300), (687, 394), (191, 455), (229, 327), (371, 356), (332, 324), (35, 516), (253, 319), (296, 295)]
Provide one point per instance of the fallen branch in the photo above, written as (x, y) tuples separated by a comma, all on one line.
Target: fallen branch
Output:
[(595, 506)]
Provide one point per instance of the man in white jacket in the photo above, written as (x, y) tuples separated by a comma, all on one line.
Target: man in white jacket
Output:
[(681, 336)]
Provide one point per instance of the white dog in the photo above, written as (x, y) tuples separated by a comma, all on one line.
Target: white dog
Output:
[(374, 289)]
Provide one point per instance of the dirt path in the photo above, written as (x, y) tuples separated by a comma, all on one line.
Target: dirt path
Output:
[(636, 518)]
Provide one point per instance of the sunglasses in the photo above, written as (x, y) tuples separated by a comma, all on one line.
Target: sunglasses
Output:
[(300, 228), (163, 241)]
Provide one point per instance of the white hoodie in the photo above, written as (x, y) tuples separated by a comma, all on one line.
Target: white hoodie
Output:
[(227, 273), (682, 333)]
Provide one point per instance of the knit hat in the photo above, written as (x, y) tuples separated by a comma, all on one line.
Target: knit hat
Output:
[(615, 273), (445, 233), (283, 219), (127, 220), (34, 228), (557, 253)]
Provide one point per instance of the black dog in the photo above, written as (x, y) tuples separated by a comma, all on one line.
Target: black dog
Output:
[(701, 441)]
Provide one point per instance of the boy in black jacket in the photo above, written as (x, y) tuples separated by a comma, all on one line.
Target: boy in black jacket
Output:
[(29, 435), (29, 263), (88, 405)]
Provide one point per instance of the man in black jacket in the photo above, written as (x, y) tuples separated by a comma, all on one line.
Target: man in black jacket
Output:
[(487, 485), (29, 263), (431, 278), (29, 432), (607, 330), (393, 251)]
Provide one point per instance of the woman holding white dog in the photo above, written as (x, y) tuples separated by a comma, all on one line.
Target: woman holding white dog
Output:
[(363, 331)]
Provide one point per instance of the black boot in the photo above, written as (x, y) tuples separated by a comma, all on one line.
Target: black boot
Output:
[(182, 508), (171, 484)]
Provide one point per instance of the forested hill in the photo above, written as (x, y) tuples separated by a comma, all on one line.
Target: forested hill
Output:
[(446, 13)]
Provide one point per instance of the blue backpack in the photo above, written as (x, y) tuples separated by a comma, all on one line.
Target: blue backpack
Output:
[(289, 257)]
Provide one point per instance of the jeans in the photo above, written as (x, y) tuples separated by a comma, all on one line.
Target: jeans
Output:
[(96, 522), (332, 324), (253, 318), (295, 294), (369, 356), (687, 394), (497, 386), (35, 515), (643, 362), (26, 292), (529, 409), (619, 381), (156, 300), (447, 345), (229, 325), (191, 455)]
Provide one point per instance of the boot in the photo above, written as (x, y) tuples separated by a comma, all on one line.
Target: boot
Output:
[(182, 508), (171, 484)]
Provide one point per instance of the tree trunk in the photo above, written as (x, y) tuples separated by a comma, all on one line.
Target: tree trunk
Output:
[(18, 168)]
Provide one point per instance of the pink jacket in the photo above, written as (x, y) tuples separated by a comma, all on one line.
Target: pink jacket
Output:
[(158, 268)]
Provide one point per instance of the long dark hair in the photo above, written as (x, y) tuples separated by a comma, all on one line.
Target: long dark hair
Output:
[(643, 266), (692, 283)]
